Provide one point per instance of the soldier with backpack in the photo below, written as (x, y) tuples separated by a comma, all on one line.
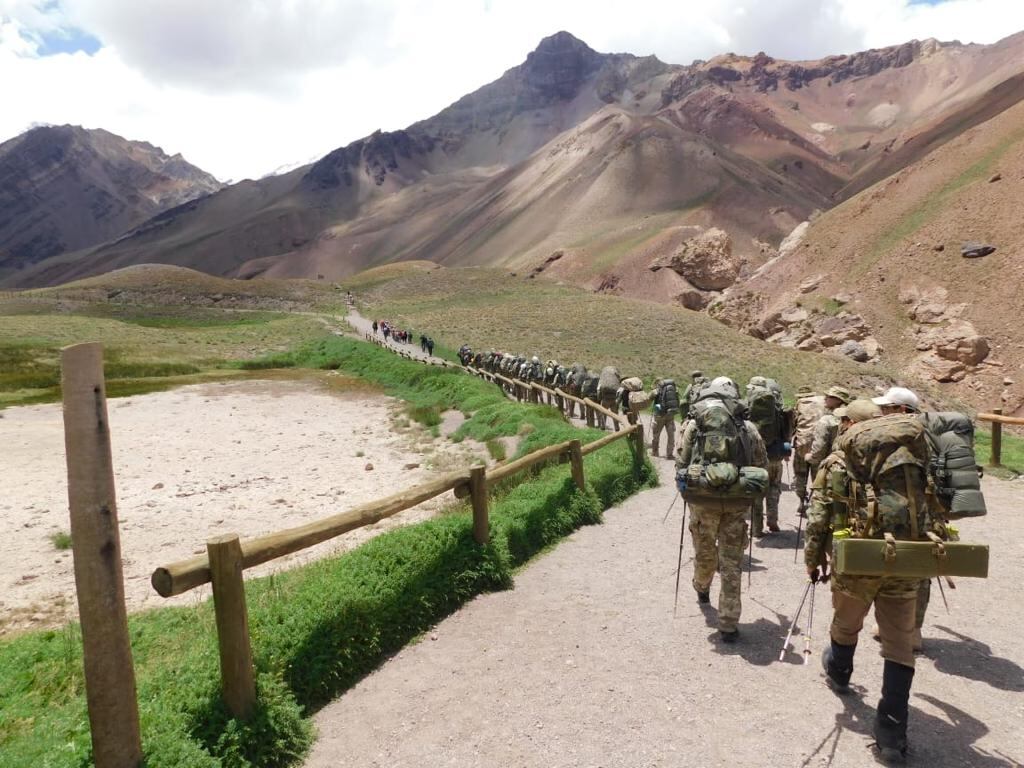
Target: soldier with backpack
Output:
[(808, 411), (608, 384), (666, 406), (827, 428), (697, 380), (721, 469), (765, 410), (588, 391), (872, 485)]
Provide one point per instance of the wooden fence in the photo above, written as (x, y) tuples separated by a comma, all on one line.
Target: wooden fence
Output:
[(996, 419), (227, 557)]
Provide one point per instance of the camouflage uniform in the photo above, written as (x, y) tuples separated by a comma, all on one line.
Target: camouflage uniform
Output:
[(664, 418), (719, 531), (894, 597), (806, 406)]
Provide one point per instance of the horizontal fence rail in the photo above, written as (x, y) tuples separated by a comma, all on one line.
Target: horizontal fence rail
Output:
[(996, 419)]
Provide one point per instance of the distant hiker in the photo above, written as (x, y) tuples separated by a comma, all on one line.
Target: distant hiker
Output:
[(387, 332), (765, 410), (632, 398), (574, 386), (608, 384), (462, 350), (375, 326), (690, 394), (430, 346), (666, 407), (720, 471)]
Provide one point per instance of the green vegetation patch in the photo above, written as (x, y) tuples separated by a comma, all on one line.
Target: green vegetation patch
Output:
[(1011, 454), (318, 629), (490, 309)]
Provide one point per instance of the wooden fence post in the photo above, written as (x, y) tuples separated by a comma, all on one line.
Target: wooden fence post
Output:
[(995, 459), (236, 674), (576, 457), (96, 546), (638, 441), (478, 493)]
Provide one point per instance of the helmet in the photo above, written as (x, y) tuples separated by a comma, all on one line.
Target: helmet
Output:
[(534, 359)]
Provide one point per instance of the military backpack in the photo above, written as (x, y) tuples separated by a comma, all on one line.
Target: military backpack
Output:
[(955, 473)]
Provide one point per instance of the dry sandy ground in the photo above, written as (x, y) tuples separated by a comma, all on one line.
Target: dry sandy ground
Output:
[(249, 457), (583, 665)]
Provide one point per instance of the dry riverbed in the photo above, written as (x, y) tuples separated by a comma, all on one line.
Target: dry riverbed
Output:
[(249, 457)]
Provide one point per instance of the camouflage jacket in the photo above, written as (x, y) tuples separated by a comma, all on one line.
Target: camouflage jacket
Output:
[(825, 432)]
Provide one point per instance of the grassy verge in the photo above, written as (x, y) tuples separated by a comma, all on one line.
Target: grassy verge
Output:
[(316, 630), (490, 309), (1011, 454)]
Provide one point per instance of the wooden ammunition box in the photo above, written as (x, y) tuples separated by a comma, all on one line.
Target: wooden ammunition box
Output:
[(914, 559)]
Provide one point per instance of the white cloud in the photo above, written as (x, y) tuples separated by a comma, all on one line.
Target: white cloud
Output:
[(241, 87)]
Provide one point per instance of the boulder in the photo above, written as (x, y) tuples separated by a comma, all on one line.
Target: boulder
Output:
[(972, 250), (793, 315), (928, 313), (693, 299), (961, 342), (793, 239), (810, 344), (854, 350), (934, 367), (707, 261), (811, 283)]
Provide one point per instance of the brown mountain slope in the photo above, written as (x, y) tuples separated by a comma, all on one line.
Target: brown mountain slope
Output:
[(608, 159), (895, 251), (63, 188)]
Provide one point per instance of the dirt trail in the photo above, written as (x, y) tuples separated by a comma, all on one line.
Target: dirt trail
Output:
[(583, 664)]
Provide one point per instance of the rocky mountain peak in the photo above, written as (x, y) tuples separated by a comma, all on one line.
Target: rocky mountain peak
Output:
[(560, 64)]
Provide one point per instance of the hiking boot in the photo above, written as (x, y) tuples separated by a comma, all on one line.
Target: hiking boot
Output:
[(759, 534), (893, 709), (703, 597), (837, 661), (773, 527), (917, 642), (728, 637)]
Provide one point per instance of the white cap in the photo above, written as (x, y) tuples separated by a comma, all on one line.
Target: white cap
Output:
[(898, 396)]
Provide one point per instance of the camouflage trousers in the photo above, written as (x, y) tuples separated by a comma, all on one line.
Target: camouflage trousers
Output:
[(924, 596), (719, 532), (771, 498), (609, 401), (667, 422), (802, 474), (895, 601)]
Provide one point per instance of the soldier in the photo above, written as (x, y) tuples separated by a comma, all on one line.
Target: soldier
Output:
[(827, 428), (765, 410), (899, 507), (666, 406), (902, 400), (718, 525), (692, 389), (809, 410), (588, 391), (608, 384)]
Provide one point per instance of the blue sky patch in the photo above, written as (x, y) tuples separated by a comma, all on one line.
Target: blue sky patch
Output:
[(66, 40)]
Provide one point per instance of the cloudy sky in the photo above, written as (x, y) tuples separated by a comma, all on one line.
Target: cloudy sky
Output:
[(243, 87)]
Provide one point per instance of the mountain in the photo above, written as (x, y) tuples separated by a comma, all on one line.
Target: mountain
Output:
[(64, 188), (609, 171)]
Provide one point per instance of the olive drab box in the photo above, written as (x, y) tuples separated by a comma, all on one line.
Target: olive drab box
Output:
[(955, 473), (911, 559)]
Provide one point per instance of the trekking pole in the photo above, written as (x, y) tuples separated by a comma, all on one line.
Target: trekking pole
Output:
[(679, 565), (810, 627), (943, 593), (667, 511), (750, 551), (796, 547), (796, 618)]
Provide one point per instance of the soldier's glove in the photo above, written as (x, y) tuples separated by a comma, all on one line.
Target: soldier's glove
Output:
[(681, 482), (787, 449)]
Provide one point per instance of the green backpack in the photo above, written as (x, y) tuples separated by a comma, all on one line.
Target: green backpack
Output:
[(764, 411), (722, 452), (953, 467)]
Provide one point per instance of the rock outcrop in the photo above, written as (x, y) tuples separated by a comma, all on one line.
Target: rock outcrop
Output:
[(950, 346), (706, 261)]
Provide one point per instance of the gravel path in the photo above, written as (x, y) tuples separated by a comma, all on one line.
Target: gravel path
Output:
[(583, 664)]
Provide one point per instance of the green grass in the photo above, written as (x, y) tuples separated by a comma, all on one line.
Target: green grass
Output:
[(1011, 454), (496, 449), (146, 349), (489, 309), (318, 629), (61, 540)]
